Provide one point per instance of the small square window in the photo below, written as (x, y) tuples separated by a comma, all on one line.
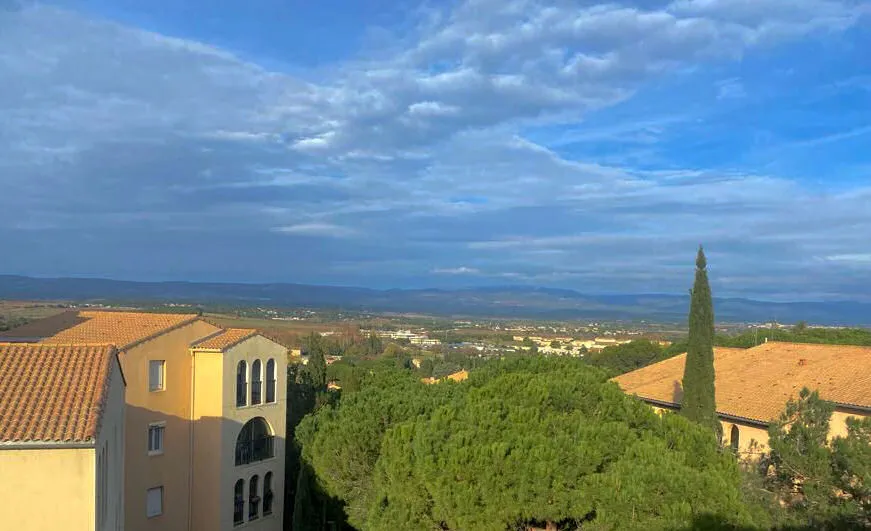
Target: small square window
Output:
[(156, 370), (155, 438), (154, 502)]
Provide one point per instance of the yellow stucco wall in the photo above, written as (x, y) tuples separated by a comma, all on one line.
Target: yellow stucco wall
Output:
[(838, 423), (110, 439), (275, 414), (752, 439), (172, 406), (208, 425), (48, 489)]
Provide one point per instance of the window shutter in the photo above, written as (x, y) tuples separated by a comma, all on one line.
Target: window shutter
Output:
[(154, 502)]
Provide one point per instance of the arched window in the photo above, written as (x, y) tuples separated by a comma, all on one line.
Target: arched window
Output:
[(270, 381), (253, 498), (267, 494), (256, 382), (255, 442), (239, 502), (241, 384), (734, 438)]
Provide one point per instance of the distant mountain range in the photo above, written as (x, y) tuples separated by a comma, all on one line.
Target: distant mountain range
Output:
[(504, 302)]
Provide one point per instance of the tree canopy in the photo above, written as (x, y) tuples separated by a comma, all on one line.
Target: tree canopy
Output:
[(525, 441), (628, 357), (826, 484)]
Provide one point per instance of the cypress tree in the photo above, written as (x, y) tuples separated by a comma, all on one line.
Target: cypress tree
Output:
[(698, 403)]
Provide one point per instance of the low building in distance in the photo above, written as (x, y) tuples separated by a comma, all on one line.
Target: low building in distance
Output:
[(753, 386), (61, 437)]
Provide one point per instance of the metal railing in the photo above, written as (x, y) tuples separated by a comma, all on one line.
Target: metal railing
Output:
[(270, 390), (241, 394), (255, 450), (239, 511), (256, 388)]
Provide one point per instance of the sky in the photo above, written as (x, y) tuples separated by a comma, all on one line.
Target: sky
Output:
[(407, 144)]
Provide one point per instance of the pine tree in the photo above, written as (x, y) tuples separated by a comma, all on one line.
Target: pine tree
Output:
[(698, 403)]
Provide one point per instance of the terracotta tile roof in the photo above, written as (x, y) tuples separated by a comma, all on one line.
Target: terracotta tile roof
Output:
[(52, 393), (458, 376), (756, 383), (123, 329), (224, 339)]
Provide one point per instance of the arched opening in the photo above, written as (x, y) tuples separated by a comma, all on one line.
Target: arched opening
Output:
[(734, 438), (241, 384), (253, 498), (239, 502), (270, 381), (255, 442), (256, 382), (267, 494)]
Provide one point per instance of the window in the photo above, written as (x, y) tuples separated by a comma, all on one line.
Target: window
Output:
[(239, 502), (241, 384), (255, 442), (154, 502), (734, 438), (156, 369), (267, 494), (256, 382), (253, 499), (270, 381), (155, 438)]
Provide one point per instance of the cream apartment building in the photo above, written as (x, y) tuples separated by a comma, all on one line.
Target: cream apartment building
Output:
[(61, 437), (189, 440), (753, 385)]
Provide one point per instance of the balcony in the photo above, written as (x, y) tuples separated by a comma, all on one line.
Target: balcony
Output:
[(241, 394), (254, 450)]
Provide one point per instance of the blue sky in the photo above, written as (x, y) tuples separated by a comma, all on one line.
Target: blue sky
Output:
[(441, 144)]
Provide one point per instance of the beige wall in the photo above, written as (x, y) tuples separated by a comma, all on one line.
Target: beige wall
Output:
[(208, 427), (48, 489), (110, 443), (173, 406), (838, 423), (251, 349), (752, 440)]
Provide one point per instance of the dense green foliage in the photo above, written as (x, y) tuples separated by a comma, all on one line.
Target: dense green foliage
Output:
[(698, 403), (624, 358), (526, 441), (825, 484), (7, 322), (797, 334)]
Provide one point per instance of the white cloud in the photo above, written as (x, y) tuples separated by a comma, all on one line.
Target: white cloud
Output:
[(462, 270), (170, 134), (317, 229)]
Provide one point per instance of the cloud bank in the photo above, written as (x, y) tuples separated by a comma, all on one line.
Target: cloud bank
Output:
[(470, 139)]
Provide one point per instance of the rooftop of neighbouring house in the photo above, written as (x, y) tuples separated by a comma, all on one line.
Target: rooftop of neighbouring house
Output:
[(123, 329), (53, 393), (224, 339), (756, 383)]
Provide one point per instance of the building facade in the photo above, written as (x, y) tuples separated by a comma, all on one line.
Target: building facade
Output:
[(61, 437), (183, 421), (753, 385)]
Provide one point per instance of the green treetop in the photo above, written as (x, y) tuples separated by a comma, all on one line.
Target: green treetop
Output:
[(698, 403), (526, 442)]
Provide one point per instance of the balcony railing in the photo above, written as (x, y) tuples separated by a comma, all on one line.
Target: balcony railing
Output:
[(241, 394), (255, 450), (270, 391), (239, 511), (256, 387), (267, 502)]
